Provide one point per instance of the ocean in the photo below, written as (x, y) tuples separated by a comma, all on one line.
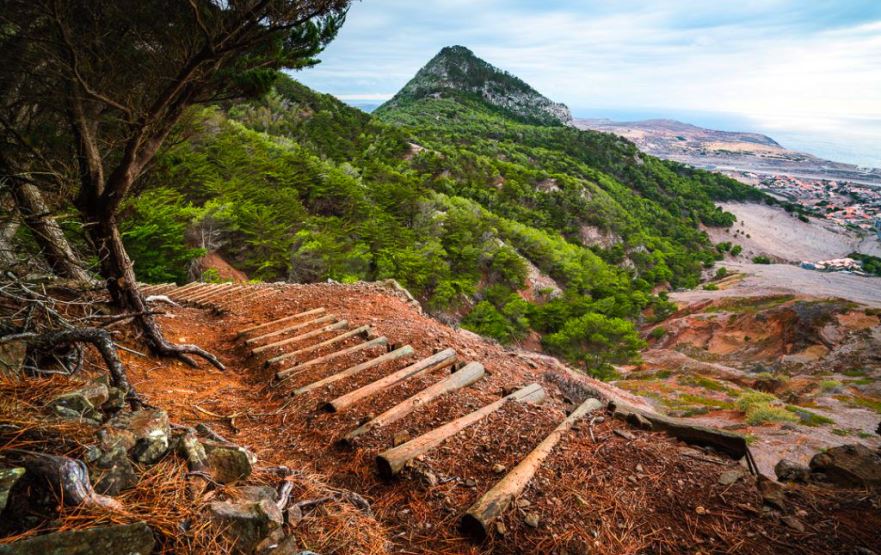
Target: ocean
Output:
[(839, 139)]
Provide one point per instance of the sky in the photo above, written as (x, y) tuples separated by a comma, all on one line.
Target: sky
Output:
[(802, 59)]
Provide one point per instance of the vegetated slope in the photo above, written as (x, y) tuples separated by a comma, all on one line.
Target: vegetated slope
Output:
[(449, 194)]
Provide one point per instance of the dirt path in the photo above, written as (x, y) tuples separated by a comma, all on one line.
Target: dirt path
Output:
[(598, 492)]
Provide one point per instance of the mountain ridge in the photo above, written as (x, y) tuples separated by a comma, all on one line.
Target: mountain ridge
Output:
[(457, 70)]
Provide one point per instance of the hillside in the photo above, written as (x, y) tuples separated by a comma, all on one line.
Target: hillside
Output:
[(465, 204)]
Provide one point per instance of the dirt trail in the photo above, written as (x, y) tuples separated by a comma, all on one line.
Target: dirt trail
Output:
[(598, 492)]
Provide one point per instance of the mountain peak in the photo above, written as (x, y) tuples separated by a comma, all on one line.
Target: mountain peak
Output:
[(458, 69)]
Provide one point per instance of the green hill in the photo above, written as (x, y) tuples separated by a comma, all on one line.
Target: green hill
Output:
[(452, 194)]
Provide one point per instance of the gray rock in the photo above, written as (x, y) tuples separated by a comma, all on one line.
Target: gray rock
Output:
[(257, 493), (729, 477), (82, 403), (788, 471), (228, 463), (793, 523), (248, 524), (128, 539), (849, 465), (8, 478), (145, 433), (115, 401), (772, 493), (111, 471)]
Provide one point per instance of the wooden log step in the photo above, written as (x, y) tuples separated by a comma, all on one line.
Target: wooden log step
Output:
[(391, 461), (281, 320), (469, 374), (293, 370), (404, 351), (444, 358), (205, 294), (189, 289), (225, 293), (363, 330), (342, 324), (480, 516), (200, 289), (152, 289), (295, 327)]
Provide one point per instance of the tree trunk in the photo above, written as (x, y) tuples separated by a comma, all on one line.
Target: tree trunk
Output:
[(46, 231), (117, 270)]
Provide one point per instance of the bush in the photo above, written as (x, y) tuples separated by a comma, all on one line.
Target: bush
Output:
[(830, 386), (761, 259), (736, 250), (760, 408), (711, 287), (658, 333), (721, 273), (596, 340)]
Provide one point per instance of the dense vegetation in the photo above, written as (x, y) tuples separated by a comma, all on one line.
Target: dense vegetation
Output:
[(452, 197)]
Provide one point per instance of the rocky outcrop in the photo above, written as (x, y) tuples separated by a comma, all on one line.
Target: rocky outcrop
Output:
[(849, 466)]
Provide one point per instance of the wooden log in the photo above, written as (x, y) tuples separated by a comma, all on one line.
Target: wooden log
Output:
[(480, 516), (295, 327), (284, 374), (154, 288), (363, 330), (195, 291), (208, 294), (469, 374), (222, 293), (732, 444), (391, 461), (190, 289), (281, 320), (342, 324), (445, 358), (404, 351)]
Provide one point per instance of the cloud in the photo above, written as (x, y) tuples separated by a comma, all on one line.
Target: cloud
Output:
[(809, 57)]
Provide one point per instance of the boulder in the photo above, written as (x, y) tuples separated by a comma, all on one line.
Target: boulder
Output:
[(128, 539), (115, 401), (8, 478), (788, 471), (248, 524), (144, 433), (848, 465), (227, 462), (83, 403)]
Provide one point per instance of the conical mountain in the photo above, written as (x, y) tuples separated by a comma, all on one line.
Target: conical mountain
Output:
[(456, 70)]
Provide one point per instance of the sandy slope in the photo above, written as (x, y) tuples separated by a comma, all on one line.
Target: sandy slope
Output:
[(774, 232), (768, 279)]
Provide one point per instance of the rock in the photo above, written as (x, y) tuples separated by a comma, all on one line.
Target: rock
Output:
[(82, 403), (625, 434), (793, 523), (849, 465), (788, 471), (401, 438), (111, 471), (729, 477), (115, 400), (145, 433), (228, 463), (257, 493), (470, 483), (499, 468), (772, 493), (128, 539), (639, 421), (248, 523), (8, 478), (501, 529), (427, 477), (12, 355), (288, 546), (531, 520)]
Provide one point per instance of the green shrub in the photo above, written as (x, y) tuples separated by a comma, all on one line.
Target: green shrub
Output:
[(658, 333), (760, 408), (736, 250), (830, 386), (721, 272), (596, 341), (711, 287), (761, 259)]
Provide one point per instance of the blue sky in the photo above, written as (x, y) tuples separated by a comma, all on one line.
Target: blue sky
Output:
[(800, 58)]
